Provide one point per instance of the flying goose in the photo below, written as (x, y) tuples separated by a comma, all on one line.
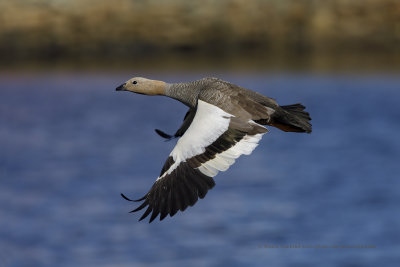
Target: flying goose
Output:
[(224, 121)]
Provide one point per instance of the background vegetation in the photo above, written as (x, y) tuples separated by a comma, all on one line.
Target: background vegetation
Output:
[(140, 31)]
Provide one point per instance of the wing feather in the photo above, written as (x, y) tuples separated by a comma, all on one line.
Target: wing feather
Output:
[(210, 144)]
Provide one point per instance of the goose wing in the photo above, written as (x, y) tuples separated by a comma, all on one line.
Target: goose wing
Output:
[(181, 131), (211, 143)]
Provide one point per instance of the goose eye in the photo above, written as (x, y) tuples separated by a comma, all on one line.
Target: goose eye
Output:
[(134, 82)]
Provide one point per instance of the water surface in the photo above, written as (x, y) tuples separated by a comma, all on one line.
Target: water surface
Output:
[(70, 145)]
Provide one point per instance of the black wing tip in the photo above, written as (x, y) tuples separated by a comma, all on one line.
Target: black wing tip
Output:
[(149, 209), (146, 213), (162, 216), (175, 192), (154, 213), (125, 197), (134, 200), (152, 218), (163, 134)]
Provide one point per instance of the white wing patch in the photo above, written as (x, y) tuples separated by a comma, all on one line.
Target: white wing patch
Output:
[(202, 132), (224, 160), (209, 123)]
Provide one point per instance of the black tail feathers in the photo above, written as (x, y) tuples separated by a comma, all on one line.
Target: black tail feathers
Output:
[(292, 118)]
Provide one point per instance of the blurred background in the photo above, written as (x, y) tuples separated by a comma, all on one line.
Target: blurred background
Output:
[(70, 144), (196, 34)]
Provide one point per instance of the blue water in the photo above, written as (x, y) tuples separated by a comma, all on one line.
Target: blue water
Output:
[(70, 145)]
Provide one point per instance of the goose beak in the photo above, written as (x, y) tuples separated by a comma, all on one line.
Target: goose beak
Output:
[(121, 87)]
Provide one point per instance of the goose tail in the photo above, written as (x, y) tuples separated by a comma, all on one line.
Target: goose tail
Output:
[(292, 118)]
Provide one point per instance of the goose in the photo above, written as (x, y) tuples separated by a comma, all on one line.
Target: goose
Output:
[(224, 121)]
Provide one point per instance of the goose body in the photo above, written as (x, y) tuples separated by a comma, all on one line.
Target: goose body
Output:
[(224, 121)]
